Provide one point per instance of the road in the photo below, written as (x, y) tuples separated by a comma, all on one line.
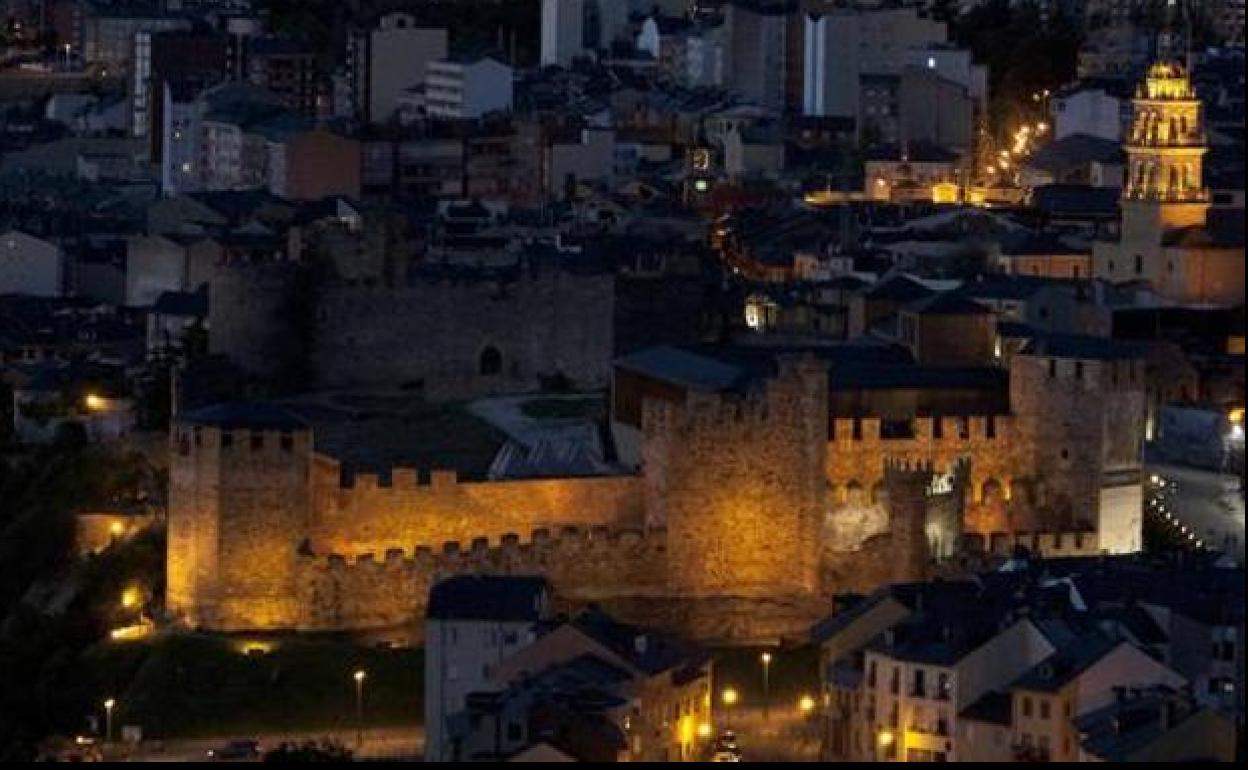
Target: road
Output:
[(1208, 504), (391, 743), (785, 735)]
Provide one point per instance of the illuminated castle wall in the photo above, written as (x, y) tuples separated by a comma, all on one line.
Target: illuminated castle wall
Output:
[(745, 517)]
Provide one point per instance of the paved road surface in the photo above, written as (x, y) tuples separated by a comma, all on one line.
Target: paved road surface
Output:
[(379, 743), (1209, 504)]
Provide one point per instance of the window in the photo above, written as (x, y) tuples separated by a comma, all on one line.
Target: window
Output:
[(991, 427), (287, 441), (1078, 370), (920, 684), (1026, 713), (1044, 709), (1139, 264), (227, 439), (491, 362), (1052, 368), (257, 440)]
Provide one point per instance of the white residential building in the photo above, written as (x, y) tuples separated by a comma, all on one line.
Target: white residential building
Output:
[(472, 624), (841, 46), (390, 59), (459, 89), (563, 30), (1089, 110)]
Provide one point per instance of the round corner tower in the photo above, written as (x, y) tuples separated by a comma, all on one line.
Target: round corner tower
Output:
[(238, 499)]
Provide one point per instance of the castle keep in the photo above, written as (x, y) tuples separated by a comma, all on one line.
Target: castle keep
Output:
[(744, 498)]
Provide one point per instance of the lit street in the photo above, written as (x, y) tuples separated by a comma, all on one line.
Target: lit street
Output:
[(1210, 505), (392, 743)]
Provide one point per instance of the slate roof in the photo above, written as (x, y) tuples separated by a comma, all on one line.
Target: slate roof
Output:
[(508, 599), (1084, 347), (947, 303), (659, 652), (899, 288), (244, 414), (1066, 664), (1076, 150)]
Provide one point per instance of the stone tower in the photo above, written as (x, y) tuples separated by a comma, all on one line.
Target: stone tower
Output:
[(1080, 407), (239, 496), (744, 485), (906, 488), (1163, 191)]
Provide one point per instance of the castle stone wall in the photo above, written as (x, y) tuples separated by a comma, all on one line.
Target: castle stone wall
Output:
[(368, 516), (432, 336), (379, 591)]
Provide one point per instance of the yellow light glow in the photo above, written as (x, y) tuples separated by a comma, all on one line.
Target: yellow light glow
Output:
[(116, 528), (131, 597), (704, 730), (729, 697), (765, 658), (359, 676), (887, 737), (95, 403), (254, 647), (806, 704), (130, 633), (109, 703), (1236, 416)]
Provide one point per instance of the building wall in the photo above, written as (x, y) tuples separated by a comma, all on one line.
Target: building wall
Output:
[(30, 265), (459, 658), (397, 60), (316, 165), (568, 329)]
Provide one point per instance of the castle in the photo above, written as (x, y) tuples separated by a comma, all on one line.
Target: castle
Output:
[(268, 315), (750, 503)]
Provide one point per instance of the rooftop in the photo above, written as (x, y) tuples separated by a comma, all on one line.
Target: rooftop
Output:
[(508, 599)]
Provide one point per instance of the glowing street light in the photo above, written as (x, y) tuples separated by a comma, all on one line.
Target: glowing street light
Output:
[(704, 730), (108, 719), (729, 696), (806, 704), (766, 660), (130, 597), (359, 676)]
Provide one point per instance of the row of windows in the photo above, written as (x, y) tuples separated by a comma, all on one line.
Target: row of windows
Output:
[(906, 429)]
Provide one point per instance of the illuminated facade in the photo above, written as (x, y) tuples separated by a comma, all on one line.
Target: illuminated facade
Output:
[(1167, 238)]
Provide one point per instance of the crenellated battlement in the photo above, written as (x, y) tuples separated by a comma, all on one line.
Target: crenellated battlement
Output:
[(390, 589), (451, 552)]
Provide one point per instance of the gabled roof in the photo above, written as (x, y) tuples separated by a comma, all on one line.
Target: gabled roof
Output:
[(947, 303), (899, 288), (1065, 665)]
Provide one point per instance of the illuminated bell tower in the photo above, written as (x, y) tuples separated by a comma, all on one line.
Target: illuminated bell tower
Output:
[(1163, 189)]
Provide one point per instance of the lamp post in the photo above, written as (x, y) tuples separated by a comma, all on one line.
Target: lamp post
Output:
[(729, 698), (766, 659), (359, 676), (108, 719)]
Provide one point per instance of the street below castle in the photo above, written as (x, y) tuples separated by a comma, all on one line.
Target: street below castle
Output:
[(1209, 504)]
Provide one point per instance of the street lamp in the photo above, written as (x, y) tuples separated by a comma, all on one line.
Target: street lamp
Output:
[(806, 704), (359, 676), (108, 719), (766, 659)]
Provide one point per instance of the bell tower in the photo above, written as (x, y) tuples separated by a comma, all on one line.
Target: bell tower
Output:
[(1163, 188)]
